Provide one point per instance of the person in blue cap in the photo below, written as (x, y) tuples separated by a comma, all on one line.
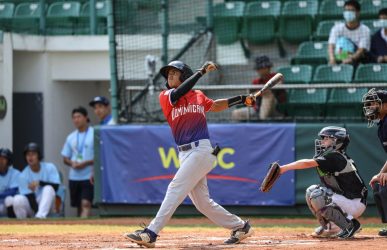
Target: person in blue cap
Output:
[(101, 107)]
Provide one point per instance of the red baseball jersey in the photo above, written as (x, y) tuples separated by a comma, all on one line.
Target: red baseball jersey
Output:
[(187, 117)]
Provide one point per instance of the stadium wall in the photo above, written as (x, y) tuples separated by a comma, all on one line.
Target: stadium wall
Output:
[(68, 71), (364, 148)]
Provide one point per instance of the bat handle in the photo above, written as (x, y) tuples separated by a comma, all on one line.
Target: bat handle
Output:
[(259, 93)]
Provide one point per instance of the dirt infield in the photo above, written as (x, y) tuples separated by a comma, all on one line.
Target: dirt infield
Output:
[(190, 233)]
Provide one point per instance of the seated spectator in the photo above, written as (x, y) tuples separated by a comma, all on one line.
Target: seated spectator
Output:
[(38, 184), (379, 39), (266, 104), (349, 42), (8, 183)]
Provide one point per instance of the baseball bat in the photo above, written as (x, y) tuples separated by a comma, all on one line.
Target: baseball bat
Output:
[(271, 83)]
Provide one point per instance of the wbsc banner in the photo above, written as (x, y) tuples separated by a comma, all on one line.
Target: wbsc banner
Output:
[(139, 161)]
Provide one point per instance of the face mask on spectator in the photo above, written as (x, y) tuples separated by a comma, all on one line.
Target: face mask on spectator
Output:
[(349, 15), (382, 23)]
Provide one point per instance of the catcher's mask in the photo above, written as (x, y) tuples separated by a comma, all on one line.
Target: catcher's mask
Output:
[(340, 140), (186, 71), (372, 104)]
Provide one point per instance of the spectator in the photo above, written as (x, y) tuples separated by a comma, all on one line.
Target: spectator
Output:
[(349, 42), (38, 184), (78, 154), (265, 105), (9, 178), (101, 106), (379, 39)]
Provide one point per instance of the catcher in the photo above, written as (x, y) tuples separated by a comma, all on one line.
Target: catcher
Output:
[(342, 195)]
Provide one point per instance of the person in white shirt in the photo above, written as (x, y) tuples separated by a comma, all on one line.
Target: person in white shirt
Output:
[(349, 42)]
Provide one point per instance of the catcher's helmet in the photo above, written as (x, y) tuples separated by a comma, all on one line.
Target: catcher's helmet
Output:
[(186, 71), (340, 136), (7, 154), (372, 103), (33, 147)]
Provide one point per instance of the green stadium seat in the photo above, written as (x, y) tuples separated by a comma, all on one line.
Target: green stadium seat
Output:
[(345, 103), (313, 53), (6, 13), (333, 74), (307, 102), (84, 20), (296, 74), (370, 8), (330, 10), (259, 22), (372, 24), (62, 18), (371, 73), (324, 29), (227, 21), (296, 20), (26, 18)]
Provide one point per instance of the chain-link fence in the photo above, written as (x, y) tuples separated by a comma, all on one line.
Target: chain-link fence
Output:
[(250, 40)]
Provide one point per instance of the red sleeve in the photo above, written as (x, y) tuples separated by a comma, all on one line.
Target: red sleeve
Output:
[(207, 102), (165, 101)]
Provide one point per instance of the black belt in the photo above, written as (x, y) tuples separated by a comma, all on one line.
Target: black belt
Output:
[(188, 146), (195, 144)]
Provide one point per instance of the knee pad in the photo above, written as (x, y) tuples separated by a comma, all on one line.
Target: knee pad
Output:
[(8, 201), (320, 197), (335, 214), (309, 191)]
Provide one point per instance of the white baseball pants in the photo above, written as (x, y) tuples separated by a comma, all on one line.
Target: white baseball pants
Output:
[(8, 201), (191, 180), (45, 201)]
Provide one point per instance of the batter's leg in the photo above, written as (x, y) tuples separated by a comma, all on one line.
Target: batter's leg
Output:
[(201, 199), (197, 164)]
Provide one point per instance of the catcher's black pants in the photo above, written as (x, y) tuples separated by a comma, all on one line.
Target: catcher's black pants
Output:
[(380, 197)]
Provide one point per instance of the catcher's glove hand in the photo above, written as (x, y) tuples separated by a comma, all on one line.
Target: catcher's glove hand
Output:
[(272, 175), (208, 67)]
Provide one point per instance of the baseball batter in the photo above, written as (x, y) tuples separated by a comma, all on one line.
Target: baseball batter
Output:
[(9, 177), (342, 197), (375, 110), (185, 110), (38, 183)]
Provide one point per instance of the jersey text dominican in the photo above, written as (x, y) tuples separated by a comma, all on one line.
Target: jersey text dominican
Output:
[(191, 108)]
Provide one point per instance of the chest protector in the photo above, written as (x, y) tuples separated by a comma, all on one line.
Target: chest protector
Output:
[(346, 182)]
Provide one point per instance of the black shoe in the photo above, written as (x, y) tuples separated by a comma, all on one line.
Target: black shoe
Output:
[(349, 232), (144, 237), (383, 232), (240, 234)]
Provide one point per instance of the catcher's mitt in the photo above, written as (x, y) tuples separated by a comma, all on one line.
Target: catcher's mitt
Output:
[(271, 176)]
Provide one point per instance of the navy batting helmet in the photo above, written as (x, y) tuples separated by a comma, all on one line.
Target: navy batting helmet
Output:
[(7, 154), (33, 147), (186, 71), (340, 136)]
